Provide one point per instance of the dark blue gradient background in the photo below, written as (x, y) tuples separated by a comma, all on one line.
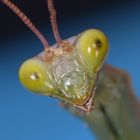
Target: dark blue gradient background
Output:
[(26, 116)]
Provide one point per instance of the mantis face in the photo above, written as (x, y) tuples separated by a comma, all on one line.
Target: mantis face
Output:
[(68, 72), (69, 76)]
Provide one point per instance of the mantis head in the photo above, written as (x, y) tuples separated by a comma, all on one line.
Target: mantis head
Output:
[(69, 71)]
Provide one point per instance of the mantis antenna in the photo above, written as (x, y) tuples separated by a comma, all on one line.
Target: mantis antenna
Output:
[(63, 43), (53, 21), (28, 22)]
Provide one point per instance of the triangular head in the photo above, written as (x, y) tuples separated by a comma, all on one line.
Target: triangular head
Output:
[(69, 71)]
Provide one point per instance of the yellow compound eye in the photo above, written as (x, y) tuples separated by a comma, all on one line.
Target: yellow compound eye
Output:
[(92, 47), (33, 75)]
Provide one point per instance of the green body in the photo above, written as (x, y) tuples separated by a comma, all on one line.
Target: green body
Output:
[(116, 115)]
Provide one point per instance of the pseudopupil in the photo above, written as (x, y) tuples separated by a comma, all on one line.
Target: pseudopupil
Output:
[(98, 43), (34, 76)]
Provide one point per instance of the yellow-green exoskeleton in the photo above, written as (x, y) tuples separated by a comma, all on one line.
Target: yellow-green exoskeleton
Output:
[(68, 71), (71, 76)]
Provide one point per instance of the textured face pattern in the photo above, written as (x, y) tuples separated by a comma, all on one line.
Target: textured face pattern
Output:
[(69, 76), (71, 79)]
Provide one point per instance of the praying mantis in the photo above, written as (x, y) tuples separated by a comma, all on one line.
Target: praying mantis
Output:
[(69, 71)]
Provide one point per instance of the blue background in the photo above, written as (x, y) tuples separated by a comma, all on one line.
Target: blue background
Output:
[(26, 116)]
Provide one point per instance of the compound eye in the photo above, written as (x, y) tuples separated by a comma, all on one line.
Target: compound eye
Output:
[(92, 47), (34, 76)]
